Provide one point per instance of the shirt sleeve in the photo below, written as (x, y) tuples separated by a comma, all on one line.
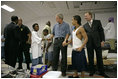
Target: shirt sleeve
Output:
[(101, 32), (27, 30), (71, 31), (53, 31), (68, 29)]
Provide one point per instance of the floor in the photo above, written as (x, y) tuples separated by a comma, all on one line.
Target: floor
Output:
[(111, 71)]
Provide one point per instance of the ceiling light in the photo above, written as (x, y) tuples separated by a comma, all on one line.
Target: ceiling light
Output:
[(6, 7)]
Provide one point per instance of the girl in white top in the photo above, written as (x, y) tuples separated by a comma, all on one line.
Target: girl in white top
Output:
[(78, 54)]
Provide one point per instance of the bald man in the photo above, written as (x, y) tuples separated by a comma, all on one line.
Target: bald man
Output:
[(24, 45)]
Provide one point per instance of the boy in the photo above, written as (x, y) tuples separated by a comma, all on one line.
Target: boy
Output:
[(48, 48), (36, 46)]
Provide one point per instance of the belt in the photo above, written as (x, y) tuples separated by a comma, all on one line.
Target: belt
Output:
[(60, 38)]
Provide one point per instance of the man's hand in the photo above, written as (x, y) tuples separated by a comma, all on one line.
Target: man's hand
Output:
[(51, 37), (64, 43), (79, 49), (102, 44)]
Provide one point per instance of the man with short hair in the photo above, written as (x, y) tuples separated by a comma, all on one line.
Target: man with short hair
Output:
[(60, 32), (96, 39), (12, 38)]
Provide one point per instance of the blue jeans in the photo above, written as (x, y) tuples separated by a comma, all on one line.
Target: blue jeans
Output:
[(37, 61)]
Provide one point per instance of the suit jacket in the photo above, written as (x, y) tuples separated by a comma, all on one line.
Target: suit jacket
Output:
[(95, 33), (11, 43)]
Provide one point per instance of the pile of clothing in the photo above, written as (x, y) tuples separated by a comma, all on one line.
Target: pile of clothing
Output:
[(10, 72)]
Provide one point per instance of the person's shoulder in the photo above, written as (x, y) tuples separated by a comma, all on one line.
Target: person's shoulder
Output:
[(55, 24), (24, 26), (48, 35), (33, 32), (81, 28), (46, 26), (84, 24), (65, 23), (7, 25), (96, 20), (11, 24), (15, 26), (110, 23)]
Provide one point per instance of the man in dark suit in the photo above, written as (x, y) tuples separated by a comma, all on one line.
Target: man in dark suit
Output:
[(11, 42), (96, 40)]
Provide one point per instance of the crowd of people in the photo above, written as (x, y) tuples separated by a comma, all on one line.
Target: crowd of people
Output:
[(19, 39)]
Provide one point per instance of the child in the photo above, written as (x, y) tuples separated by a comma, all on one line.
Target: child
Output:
[(48, 48), (36, 46)]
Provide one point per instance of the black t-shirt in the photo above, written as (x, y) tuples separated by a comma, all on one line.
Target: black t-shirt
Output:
[(24, 30)]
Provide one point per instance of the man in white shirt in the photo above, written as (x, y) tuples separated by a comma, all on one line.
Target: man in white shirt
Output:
[(109, 30)]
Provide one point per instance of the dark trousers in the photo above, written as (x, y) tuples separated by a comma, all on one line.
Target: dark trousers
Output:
[(98, 50), (24, 48), (57, 47)]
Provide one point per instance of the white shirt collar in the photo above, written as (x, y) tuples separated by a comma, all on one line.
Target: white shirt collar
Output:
[(91, 20)]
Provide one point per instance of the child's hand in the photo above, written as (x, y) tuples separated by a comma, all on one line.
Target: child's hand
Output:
[(49, 39), (43, 39)]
